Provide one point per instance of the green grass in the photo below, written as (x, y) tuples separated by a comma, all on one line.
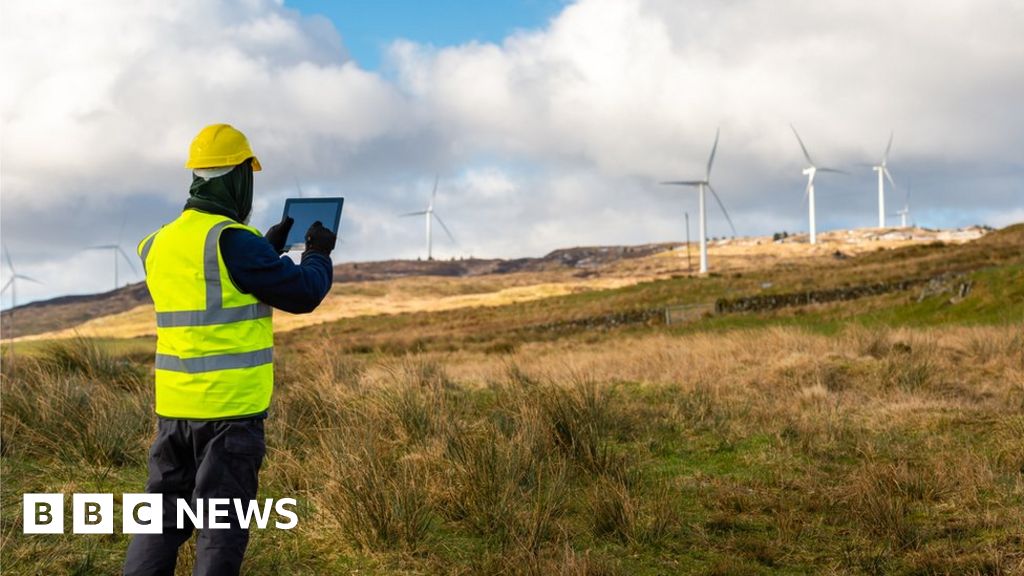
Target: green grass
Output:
[(579, 472), (873, 436), (127, 346), (993, 263)]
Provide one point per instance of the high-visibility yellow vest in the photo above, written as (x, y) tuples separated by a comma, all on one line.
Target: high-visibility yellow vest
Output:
[(214, 344)]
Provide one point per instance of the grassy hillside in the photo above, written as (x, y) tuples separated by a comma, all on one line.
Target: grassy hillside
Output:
[(399, 287), (581, 435), (993, 264), (768, 451), (128, 311)]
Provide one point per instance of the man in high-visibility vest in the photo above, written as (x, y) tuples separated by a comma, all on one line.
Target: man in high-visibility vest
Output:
[(213, 280)]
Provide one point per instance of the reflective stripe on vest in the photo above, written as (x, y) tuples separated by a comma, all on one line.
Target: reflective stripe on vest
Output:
[(147, 243), (214, 343), (210, 317), (212, 363)]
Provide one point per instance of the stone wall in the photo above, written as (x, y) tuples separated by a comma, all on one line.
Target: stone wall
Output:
[(767, 302)]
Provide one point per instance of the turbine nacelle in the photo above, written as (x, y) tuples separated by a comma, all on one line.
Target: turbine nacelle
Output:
[(885, 172), (12, 282), (810, 171), (700, 185), (431, 215), (883, 175)]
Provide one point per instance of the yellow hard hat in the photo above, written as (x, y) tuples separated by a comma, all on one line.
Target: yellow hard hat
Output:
[(220, 145)]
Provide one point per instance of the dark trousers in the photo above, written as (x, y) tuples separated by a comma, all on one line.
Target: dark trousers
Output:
[(193, 459)]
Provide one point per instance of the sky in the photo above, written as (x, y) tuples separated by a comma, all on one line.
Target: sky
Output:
[(370, 26), (548, 123)]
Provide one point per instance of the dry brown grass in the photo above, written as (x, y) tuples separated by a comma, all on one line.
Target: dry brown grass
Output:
[(774, 450), (349, 301), (438, 293), (814, 397)]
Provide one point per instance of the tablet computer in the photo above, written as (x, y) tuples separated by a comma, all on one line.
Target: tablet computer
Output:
[(306, 211)]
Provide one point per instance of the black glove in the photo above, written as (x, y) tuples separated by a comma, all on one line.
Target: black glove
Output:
[(278, 234), (320, 240)]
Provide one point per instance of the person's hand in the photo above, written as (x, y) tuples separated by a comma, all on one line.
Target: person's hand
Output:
[(320, 240), (278, 234)]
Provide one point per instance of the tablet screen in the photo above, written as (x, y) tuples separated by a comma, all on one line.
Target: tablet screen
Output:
[(306, 211)]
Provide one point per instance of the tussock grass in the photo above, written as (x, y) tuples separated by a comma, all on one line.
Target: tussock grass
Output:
[(778, 450), (773, 448), (621, 508), (77, 402), (84, 357), (377, 499)]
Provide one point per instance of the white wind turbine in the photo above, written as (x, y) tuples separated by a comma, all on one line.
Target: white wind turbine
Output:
[(810, 171), (905, 211), (116, 250), (701, 185), (430, 215), (12, 283), (883, 175)]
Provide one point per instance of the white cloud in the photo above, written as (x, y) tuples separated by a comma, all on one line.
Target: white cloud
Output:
[(555, 137), (630, 85), (97, 91)]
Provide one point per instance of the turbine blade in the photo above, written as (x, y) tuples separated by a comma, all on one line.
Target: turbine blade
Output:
[(683, 183), (420, 213), (127, 259), (7, 285), (807, 190), (103, 247), (722, 206), (23, 277), (434, 193), (711, 159), (10, 263), (441, 222), (888, 147), (888, 176), (802, 147), (834, 171)]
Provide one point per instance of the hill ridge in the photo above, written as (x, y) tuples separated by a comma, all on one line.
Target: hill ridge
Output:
[(565, 269)]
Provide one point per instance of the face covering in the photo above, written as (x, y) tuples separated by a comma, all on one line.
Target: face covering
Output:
[(228, 195)]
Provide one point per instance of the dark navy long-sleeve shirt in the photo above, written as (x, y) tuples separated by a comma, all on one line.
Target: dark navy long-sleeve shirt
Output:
[(256, 269)]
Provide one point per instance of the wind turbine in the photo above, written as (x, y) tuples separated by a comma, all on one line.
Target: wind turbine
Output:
[(116, 250), (903, 213), (883, 174), (430, 215), (810, 171), (701, 185), (12, 283)]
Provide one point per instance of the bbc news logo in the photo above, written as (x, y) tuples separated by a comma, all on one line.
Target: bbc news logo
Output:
[(144, 513)]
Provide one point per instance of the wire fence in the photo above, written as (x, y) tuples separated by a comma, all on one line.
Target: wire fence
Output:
[(685, 313)]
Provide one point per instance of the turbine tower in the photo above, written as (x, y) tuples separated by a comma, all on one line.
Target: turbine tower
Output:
[(905, 211), (430, 216), (701, 185), (810, 171), (883, 175), (12, 283), (116, 250)]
